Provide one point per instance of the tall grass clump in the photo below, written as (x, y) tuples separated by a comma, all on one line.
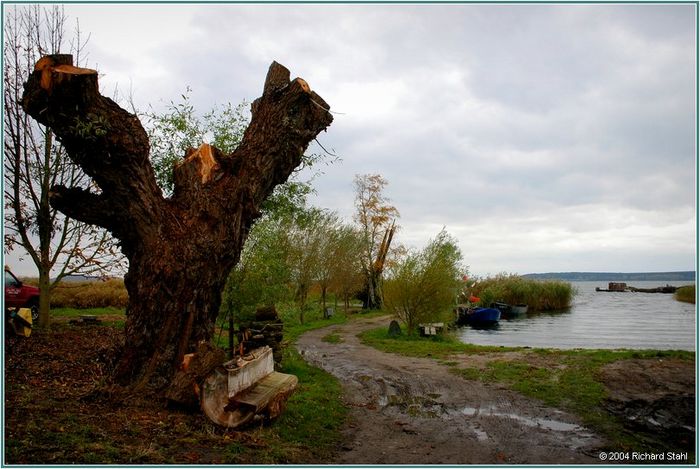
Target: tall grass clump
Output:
[(513, 289), (686, 293), (97, 294)]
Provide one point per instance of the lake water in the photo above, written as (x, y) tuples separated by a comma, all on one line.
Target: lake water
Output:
[(603, 320)]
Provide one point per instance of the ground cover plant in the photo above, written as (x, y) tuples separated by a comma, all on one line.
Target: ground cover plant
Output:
[(572, 380)]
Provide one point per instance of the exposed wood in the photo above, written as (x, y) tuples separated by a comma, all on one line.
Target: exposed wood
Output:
[(245, 372), (266, 390), (195, 367), (215, 402), (232, 394)]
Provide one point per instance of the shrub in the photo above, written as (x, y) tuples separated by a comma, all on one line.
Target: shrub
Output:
[(513, 289), (423, 285)]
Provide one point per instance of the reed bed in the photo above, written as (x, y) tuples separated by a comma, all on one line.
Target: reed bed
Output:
[(686, 294), (512, 289), (97, 294)]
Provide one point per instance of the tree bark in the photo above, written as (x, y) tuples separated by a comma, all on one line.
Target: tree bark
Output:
[(180, 249)]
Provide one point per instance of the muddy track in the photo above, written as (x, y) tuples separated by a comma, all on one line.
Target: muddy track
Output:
[(414, 411)]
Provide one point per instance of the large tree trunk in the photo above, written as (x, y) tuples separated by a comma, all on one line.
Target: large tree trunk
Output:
[(180, 249)]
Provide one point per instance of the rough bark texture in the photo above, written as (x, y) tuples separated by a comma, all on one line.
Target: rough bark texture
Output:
[(180, 249)]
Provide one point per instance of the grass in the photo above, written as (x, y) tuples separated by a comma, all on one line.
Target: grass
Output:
[(332, 338), (686, 294), (539, 295), (564, 379), (77, 312)]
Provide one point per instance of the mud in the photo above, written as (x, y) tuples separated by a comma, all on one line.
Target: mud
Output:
[(410, 411), (656, 397)]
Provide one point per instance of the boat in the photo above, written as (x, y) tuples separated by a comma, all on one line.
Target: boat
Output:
[(508, 311), (481, 316)]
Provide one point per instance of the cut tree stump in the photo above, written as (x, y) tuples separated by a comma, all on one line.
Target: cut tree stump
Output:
[(244, 387)]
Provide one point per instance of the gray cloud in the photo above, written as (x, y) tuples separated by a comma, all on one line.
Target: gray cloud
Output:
[(545, 137)]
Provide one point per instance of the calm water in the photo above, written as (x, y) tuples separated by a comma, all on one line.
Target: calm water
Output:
[(600, 320)]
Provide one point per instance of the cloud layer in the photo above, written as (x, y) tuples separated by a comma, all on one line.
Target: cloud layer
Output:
[(545, 137)]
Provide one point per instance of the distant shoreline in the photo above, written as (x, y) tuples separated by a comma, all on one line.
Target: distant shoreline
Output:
[(681, 276)]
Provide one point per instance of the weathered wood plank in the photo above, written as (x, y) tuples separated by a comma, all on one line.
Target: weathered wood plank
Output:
[(261, 394)]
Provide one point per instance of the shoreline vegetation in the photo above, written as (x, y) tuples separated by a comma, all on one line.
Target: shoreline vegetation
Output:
[(685, 294), (539, 295)]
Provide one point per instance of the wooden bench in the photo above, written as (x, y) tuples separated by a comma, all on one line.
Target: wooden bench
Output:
[(244, 387)]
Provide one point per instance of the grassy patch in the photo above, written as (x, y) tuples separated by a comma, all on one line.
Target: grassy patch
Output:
[(564, 379), (440, 346), (332, 338), (77, 312)]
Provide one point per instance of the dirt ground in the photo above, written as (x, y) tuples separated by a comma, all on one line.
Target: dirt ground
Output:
[(414, 411), (403, 410), (53, 414)]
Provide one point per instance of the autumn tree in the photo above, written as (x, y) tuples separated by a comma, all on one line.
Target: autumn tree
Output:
[(180, 248), (376, 219), (35, 160), (424, 284)]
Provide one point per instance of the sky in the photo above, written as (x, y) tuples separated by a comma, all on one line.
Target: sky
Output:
[(543, 137)]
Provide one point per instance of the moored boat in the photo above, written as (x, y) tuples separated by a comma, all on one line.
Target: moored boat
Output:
[(508, 311), (482, 316)]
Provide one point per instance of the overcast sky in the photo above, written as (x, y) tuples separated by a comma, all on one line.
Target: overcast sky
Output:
[(543, 137)]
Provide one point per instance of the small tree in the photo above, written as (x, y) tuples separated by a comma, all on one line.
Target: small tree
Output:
[(375, 217), (261, 276), (346, 279), (35, 160), (425, 283), (305, 238)]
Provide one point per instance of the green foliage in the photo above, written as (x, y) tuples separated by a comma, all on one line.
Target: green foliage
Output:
[(686, 294), (512, 289), (423, 286), (260, 277), (180, 127), (92, 128)]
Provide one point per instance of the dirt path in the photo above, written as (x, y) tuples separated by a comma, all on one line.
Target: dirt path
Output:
[(413, 411)]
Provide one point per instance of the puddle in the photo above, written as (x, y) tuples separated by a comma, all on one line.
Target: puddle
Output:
[(549, 424), (480, 434)]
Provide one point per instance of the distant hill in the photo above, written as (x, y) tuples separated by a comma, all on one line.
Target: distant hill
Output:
[(685, 276)]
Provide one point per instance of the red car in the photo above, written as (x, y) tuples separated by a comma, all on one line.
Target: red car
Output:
[(19, 295)]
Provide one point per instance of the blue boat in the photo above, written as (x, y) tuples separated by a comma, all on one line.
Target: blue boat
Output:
[(482, 316)]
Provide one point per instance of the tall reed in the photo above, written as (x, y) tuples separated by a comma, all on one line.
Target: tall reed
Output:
[(686, 293), (512, 289)]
